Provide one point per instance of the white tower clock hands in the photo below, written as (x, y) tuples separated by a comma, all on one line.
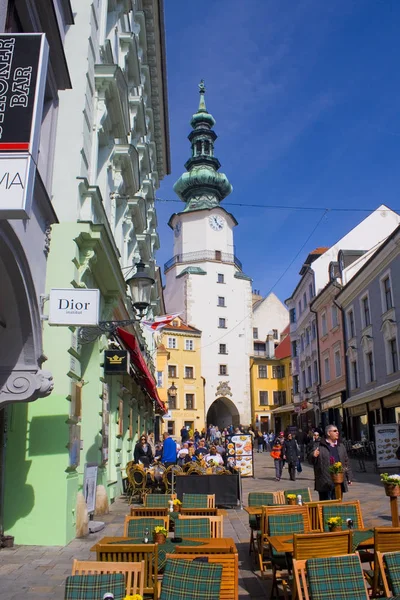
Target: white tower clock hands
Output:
[(216, 222)]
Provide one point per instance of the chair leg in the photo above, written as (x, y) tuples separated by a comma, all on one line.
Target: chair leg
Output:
[(251, 543)]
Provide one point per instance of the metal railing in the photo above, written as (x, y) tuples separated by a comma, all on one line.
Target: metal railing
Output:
[(203, 255)]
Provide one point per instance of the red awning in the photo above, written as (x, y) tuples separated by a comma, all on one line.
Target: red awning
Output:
[(145, 377)]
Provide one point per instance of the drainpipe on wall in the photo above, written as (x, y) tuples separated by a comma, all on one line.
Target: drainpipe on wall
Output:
[(3, 443), (318, 386)]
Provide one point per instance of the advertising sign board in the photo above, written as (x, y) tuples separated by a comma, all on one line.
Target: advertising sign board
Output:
[(74, 307), (386, 443)]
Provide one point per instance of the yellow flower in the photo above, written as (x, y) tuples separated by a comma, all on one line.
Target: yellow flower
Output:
[(177, 502), (291, 496), (160, 529), (335, 521), (134, 597)]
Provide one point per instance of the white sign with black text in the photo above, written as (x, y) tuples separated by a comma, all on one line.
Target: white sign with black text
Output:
[(17, 178), (74, 307)]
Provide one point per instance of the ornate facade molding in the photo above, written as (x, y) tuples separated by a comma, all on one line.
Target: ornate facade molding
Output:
[(25, 384)]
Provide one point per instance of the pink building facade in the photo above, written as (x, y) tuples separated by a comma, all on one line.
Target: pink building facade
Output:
[(332, 389)]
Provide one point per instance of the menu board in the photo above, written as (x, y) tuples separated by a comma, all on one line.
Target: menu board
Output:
[(386, 443), (240, 454)]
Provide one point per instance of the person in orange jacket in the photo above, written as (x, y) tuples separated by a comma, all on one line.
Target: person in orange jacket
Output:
[(276, 454)]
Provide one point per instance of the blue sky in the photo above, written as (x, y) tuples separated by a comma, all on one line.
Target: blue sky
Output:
[(306, 95)]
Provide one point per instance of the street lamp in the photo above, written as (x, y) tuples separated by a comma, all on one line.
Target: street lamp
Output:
[(172, 394), (139, 285)]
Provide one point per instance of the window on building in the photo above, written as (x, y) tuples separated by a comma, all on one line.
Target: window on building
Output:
[(292, 315), (172, 372), (309, 378), (365, 310), (172, 402), (222, 323), (221, 301), (223, 369), (175, 323), (171, 427), (338, 364), (189, 401), (299, 307), (220, 278), (260, 348), (189, 345), (335, 316), (327, 371), (302, 343), (160, 379), (315, 369), (222, 349), (324, 326), (313, 330), (172, 342), (303, 380), (304, 301), (351, 324), (255, 333), (218, 255), (394, 360), (354, 374), (370, 367), (307, 336), (387, 294), (198, 148), (263, 398), (189, 373), (294, 348), (278, 372), (279, 398), (262, 372), (206, 147), (275, 334), (295, 384), (311, 290)]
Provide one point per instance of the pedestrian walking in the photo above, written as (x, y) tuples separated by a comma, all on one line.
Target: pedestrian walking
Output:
[(276, 454), (291, 453), (260, 442), (329, 450)]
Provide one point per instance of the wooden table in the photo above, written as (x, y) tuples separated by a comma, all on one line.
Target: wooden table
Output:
[(254, 510), (284, 543), (207, 544)]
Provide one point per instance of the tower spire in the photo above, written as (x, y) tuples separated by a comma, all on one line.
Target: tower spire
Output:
[(202, 186)]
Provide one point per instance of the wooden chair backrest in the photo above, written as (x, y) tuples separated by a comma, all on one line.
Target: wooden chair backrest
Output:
[(315, 514), (148, 512), (216, 524), (318, 545), (134, 572), (387, 539), (355, 503), (129, 519), (164, 497), (199, 512), (285, 509), (230, 571), (131, 553)]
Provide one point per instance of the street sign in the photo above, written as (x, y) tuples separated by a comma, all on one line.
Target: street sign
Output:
[(74, 307)]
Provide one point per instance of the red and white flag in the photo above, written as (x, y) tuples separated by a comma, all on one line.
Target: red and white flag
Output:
[(160, 322)]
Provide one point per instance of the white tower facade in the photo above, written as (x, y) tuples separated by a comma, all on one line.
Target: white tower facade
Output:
[(205, 282)]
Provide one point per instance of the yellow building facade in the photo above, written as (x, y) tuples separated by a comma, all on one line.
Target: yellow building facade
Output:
[(179, 381), (271, 388)]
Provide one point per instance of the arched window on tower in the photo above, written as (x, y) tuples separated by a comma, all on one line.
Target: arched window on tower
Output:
[(198, 148), (206, 147)]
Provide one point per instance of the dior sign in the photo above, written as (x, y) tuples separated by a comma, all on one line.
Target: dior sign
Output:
[(74, 307)]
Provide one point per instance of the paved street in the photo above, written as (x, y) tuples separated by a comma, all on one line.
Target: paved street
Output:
[(33, 572)]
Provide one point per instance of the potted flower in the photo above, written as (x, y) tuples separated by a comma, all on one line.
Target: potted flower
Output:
[(177, 505), (159, 534), (134, 597), (335, 523), (391, 483), (336, 471), (291, 498)]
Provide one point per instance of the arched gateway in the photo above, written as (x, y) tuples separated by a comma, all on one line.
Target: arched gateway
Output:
[(223, 413)]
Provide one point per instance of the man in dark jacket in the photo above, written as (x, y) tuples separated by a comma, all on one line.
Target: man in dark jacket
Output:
[(291, 453), (320, 458)]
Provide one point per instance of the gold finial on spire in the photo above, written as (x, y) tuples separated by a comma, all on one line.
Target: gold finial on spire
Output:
[(202, 87), (202, 91)]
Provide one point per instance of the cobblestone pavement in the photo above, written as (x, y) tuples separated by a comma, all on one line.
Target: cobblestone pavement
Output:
[(39, 572)]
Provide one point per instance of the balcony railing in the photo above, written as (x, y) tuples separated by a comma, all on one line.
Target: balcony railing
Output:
[(202, 255)]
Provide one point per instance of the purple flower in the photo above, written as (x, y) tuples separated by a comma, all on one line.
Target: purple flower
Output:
[(331, 460)]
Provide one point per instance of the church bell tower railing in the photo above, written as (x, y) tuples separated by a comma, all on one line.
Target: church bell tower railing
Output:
[(201, 256)]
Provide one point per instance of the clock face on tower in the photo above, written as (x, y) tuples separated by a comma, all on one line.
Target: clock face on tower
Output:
[(177, 228), (216, 222)]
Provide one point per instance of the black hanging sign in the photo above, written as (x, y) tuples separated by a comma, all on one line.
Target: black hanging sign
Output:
[(116, 361)]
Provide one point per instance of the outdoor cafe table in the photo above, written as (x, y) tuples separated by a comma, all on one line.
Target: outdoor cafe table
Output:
[(207, 545), (362, 538)]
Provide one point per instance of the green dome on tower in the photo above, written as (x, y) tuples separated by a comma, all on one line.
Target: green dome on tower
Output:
[(202, 186)]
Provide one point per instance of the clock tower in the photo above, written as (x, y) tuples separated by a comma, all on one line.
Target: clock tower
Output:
[(205, 282)]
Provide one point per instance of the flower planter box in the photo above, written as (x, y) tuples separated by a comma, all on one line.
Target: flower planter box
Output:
[(392, 490)]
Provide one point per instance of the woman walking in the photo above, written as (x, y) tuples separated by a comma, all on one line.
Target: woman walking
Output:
[(276, 454), (291, 453), (142, 453)]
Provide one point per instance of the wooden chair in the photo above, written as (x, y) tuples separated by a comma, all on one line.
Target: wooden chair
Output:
[(386, 539), (93, 586), (171, 472), (263, 547), (135, 526), (157, 500), (216, 524), (346, 510), (344, 573), (314, 513), (199, 512), (305, 494), (137, 480), (131, 553), (134, 572), (318, 545), (147, 511), (389, 568), (198, 501), (230, 571), (193, 527), (260, 499)]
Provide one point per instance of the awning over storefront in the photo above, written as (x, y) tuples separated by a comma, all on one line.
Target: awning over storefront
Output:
[(331, 402), (143, 374), (283, 409)]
